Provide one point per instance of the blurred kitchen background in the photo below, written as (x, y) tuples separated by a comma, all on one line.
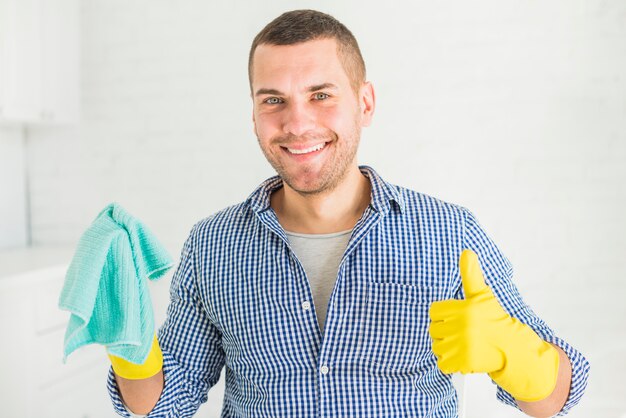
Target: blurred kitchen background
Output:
[(514, 109)]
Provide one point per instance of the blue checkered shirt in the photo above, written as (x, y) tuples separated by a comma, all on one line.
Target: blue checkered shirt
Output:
[(238, 299)]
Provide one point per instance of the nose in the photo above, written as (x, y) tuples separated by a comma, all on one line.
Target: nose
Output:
[(298, 118)]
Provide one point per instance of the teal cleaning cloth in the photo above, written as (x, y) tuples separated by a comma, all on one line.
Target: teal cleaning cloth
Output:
[(106, 286)]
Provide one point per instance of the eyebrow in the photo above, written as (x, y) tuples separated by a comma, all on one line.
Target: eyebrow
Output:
[(311, 89)]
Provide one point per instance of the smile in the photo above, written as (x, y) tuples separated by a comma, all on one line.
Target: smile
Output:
[(307, 150)]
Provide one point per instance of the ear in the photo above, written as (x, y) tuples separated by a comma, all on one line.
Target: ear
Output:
[(253, 122), (367, 99)]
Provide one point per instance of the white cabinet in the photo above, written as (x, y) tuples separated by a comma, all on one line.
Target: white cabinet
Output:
[(60, 61), (32, 375), (20, 59), (13, 203), (39, 61)]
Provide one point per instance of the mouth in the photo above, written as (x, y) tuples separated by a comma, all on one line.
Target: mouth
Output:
[(309, 151)]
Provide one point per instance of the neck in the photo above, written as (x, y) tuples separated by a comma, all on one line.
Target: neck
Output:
[(324, 213)]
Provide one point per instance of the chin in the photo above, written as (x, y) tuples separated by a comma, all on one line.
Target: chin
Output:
[(304, 187)]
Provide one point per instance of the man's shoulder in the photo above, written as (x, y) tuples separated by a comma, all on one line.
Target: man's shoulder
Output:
[(224, 220), (424, 203)]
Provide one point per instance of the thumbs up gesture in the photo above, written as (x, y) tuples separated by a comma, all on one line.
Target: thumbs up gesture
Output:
[(476, 335)]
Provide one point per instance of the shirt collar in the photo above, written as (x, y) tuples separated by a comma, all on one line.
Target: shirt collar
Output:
[(383, 193)]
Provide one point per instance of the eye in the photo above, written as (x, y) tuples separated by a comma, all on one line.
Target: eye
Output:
[(272, 100), (321, 96)]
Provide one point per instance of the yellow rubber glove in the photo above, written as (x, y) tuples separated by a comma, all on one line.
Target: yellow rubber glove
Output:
[(128, 370), (476, 335)]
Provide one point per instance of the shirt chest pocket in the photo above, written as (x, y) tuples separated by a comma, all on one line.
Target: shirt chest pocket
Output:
[(394, 329)]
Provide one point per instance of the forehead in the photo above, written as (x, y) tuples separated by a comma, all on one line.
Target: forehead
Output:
[(314, 61)]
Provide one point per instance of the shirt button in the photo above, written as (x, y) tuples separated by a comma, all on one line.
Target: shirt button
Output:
[(306, 305), (324, 370)]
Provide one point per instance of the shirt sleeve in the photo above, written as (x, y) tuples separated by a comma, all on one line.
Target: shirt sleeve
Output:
[(498, 275), (193, 356)]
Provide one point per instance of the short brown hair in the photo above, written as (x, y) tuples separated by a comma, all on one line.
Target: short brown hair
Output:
[(299, 26)]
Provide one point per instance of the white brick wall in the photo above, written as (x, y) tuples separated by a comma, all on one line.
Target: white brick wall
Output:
[(514, 109)]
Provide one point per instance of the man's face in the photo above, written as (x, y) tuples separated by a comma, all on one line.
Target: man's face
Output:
[(307, 117)]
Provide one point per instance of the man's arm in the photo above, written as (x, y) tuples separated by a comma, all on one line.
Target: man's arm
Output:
[(193, 356), (140, 396), (555, 402), (140, 385)]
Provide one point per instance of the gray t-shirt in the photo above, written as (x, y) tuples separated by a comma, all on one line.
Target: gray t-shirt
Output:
[(320, 255)]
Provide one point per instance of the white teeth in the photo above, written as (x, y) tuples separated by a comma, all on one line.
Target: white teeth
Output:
[(305, 151)]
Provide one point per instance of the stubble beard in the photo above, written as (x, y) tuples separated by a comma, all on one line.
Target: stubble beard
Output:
[(331, 174)]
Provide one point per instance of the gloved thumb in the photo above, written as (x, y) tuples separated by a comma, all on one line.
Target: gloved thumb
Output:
[(471, 274)]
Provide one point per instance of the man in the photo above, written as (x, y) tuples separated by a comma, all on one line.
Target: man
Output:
[(330, 292)]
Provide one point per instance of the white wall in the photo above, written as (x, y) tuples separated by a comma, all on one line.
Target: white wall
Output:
[(514, 109)]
